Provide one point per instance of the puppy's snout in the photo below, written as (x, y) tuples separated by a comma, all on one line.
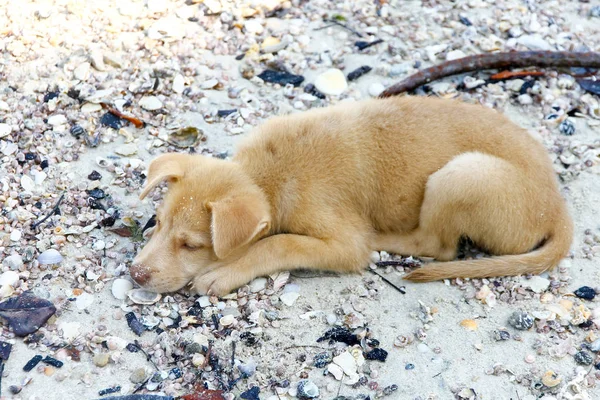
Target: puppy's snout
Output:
[(140, 273)]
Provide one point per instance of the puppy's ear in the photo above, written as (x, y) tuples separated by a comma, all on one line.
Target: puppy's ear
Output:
[(165, 167), (236, 221)]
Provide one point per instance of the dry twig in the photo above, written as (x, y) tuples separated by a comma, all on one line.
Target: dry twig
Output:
[(515, 59)]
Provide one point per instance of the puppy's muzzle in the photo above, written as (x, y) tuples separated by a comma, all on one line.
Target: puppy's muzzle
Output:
[(140, 273)]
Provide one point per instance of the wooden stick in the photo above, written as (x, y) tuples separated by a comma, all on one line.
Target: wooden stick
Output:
[(514, 59)]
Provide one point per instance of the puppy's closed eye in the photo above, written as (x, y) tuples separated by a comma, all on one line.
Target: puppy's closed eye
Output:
[(193, 246)]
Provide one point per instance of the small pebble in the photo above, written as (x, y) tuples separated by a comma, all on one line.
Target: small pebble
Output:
[(101, 359), (521, 320), (585, 292), (567, 127), (138, 376), (584, 358)]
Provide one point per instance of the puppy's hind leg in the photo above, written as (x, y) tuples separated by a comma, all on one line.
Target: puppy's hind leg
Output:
[(490, 201), (474, 195)]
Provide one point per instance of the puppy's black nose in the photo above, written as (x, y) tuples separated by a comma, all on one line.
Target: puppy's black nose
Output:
[(140, 273)]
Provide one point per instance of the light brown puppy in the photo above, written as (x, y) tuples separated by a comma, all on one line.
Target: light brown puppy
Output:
[(324, 188)]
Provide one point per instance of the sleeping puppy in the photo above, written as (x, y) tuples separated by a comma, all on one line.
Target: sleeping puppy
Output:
[(324, 188)]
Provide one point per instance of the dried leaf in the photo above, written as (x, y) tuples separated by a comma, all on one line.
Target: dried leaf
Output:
[(123, 232), (26, 313), (590, 85)]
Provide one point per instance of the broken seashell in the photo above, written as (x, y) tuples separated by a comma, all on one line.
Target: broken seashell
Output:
[(551, 379), (142, 296), (227, 320)]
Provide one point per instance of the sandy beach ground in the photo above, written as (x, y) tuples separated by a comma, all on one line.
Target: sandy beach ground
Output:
[(190, 70)]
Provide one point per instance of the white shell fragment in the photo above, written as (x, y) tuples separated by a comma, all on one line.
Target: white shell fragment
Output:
[(70, 330), (150, 103), (120, 288), (9, 278), (142, 296), (227, 320), (84, 300), (258, 284), (536, 283), (178, 84), (289, 298), (50, 256), (58, 119), (332, 82), (5, 130), (347, 363)]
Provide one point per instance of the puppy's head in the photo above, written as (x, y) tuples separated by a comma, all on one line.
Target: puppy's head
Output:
[(210, 214)]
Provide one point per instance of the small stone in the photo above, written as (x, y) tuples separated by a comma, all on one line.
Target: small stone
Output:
[(525, 99), (409, 366), (94, 176), (150, 103), (500, 335), (595, 12), (585, 292), (138, 376), (584, 358), (307, 389), (198, 359), (331, 82), (377, 354), (15, 235), (322, 359), (521, 320), (82, 72), (375, 89), (595, 346), (57, 119), (280, 77), (567, 127), (534, 42), (357, 73), (178, 84), (455, 55), (253, 26)]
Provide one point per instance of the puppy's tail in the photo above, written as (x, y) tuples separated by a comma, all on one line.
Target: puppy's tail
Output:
[(535, 262)]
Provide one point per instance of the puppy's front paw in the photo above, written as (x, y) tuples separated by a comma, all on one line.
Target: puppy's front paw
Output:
[(220, 281)]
